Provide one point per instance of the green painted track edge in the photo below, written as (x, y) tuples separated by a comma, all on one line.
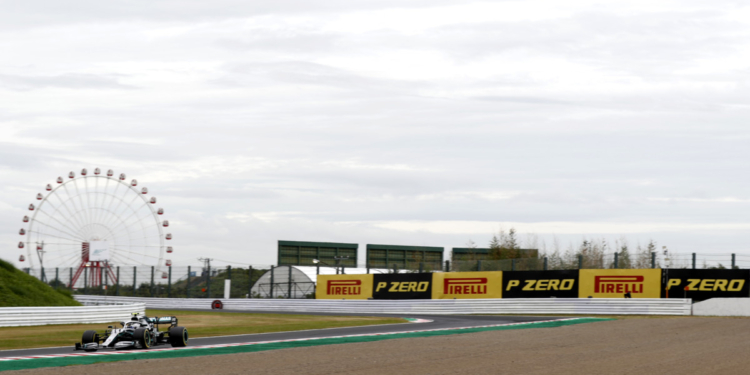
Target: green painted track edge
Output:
[(24, 364)]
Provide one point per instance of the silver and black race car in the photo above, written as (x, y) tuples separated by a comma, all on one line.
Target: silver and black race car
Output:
[(141, 332)]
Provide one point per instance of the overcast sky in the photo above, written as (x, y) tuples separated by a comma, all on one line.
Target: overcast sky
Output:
[(391, 122)]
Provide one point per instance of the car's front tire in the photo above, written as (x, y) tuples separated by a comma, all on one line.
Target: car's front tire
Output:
[(143, 336), (89, 336), (178, 337)]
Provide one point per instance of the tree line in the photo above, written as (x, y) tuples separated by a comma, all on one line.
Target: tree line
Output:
[(591, 252)]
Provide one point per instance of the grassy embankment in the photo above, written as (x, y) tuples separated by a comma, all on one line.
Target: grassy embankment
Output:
[(198, 323), (19, 289)]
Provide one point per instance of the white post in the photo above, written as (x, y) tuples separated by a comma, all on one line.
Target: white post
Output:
[(227, 287)]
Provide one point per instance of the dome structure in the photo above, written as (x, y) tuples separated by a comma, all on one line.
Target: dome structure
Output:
[(302, 281)]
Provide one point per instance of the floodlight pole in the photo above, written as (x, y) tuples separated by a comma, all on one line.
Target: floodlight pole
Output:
[(338, 263)]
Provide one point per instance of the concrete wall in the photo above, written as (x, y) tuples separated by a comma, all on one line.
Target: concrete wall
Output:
[(722, 307)]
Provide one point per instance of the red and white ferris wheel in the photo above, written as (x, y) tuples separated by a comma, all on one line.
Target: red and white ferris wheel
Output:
[(93, 222)]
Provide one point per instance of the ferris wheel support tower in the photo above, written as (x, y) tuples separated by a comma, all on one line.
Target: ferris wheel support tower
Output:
[(98, 268)]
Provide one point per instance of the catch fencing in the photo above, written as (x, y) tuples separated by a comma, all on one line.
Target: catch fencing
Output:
[(37, 316), (151, 281), (577, 306), (208, 282)]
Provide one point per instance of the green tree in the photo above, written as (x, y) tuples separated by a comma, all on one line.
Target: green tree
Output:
[(643, 255), (592, 252), (570, 258), (623, 257), (504, 245), (555, 260), (56, 283)]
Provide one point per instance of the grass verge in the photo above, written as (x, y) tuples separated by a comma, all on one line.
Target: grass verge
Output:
[(198, 323)]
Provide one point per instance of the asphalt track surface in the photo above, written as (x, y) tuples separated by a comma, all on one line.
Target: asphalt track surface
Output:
[(436, 322)]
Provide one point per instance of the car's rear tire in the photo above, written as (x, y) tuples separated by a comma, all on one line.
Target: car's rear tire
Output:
[(143, 335), (89, 336), (178, 337)]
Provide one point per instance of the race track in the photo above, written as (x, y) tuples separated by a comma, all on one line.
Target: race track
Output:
[(433, 322)]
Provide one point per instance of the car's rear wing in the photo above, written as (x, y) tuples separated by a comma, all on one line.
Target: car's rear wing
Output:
[(172, 320)]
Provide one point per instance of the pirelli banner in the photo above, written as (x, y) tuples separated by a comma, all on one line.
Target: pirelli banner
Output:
[(616, 283), (344, 287), (402, 286), (704, 284), (540, 284), (465, 285)]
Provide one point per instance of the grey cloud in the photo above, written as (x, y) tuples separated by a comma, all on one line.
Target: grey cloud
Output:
[(521, 99), (308, 73), (77, 81), (43, 13), (297, 72), (217, 190), (653, 44), (296, 41), (21, 157)]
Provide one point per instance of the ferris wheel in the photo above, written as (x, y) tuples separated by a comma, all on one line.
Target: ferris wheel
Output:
[(92, 223)]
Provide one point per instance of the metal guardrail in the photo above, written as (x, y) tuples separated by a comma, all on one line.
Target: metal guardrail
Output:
[(578, 306), (37, 316)]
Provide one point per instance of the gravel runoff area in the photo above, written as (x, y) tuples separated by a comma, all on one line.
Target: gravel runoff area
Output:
[(678, 345)]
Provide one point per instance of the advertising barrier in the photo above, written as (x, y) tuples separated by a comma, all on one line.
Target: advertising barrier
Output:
[(700, 285), (540, 284), (344, 287), (464, 285), (695, 284), (614, 283), (402, 286)]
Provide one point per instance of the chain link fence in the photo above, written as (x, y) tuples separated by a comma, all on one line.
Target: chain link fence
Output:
[(145, 281), (208, 282)]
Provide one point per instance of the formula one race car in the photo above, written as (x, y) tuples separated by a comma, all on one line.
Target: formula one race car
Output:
[(141, 332)]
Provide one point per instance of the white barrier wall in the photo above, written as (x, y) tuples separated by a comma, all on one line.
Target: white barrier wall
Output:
[(722, 307), (37, 316), (578, 306)]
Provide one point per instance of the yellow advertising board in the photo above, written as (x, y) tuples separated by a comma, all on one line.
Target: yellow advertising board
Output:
[(344, 287), (465, 285), (640, 283)]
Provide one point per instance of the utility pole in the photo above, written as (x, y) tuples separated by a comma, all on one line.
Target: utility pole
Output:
[(338, 263), (40, 253), (207, 267), (206, 262)]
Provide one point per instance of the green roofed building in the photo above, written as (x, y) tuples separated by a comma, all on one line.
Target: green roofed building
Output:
[(459, 254), (296, 253), (403, 257)]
